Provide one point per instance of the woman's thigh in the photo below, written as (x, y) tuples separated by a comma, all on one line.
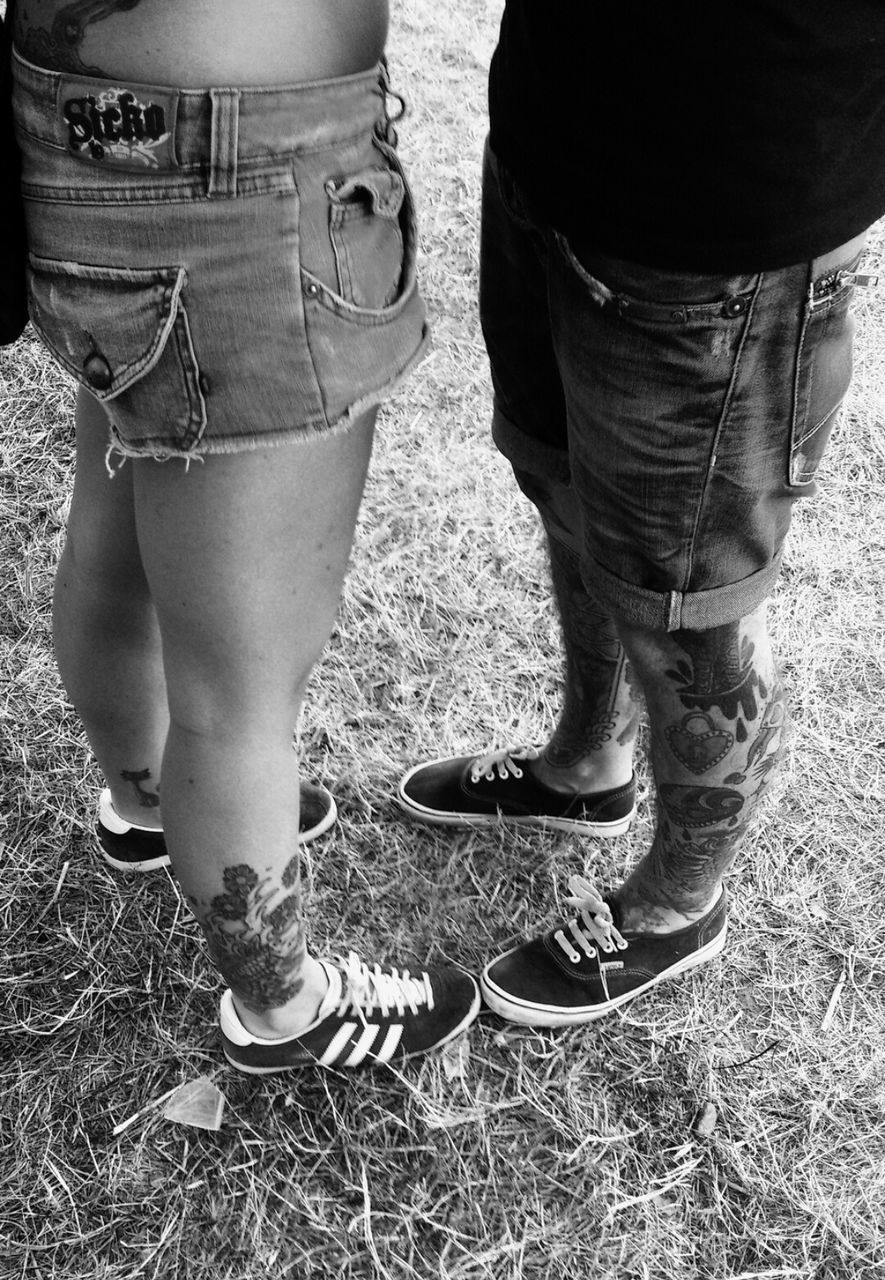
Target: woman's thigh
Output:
[(102, 545)]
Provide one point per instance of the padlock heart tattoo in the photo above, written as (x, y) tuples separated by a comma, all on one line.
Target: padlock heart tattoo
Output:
[(697, 743)]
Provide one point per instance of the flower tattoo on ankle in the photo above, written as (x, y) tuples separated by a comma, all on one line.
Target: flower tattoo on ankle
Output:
[(255, 934)]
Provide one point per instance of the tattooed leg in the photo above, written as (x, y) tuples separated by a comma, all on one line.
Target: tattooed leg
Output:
[(592, 745), (717, 710), (255, 933), (238, 648), (107, 641)]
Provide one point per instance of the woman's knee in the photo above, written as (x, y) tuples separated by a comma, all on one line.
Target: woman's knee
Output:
[(249, 695)]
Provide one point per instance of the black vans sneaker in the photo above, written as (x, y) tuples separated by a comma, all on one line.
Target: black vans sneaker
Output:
[(589, 966), (479, 791), (128, 847), (368, 1017)]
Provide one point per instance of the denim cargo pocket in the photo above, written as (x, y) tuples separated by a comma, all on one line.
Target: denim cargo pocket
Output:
[(363, 338), (111, 328), (364, 227), (823, 374), (373, 233)]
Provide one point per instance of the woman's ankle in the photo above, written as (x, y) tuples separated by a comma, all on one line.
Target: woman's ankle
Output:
[(589, 774), (146, 816), (295, 1015)]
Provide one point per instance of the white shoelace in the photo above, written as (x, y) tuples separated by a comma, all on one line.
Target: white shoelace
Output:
[(593, 929), (365, 989), (502, 761)]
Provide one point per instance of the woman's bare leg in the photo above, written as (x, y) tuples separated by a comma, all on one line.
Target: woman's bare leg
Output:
[(107, 640), (245, 555), (231, 570)]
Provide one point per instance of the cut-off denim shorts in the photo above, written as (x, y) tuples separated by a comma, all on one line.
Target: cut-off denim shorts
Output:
[(663, 422), (223, 269)]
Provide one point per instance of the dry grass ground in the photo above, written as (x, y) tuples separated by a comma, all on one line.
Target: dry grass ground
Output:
[(538, 1155)]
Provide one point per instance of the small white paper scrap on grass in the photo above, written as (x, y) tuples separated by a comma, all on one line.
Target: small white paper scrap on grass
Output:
[(197, 1102), (455, 1057)]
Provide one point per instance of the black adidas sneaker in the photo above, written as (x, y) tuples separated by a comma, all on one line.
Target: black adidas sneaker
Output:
[(370, 1016)]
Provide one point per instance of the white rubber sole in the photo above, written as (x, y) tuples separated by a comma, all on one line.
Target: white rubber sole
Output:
[(526, 1014), (328, 820), (149, 864)]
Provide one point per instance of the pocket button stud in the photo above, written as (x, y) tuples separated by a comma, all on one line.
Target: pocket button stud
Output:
[(97, 372)]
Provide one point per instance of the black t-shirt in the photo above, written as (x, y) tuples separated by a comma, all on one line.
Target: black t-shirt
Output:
[(708, 134)]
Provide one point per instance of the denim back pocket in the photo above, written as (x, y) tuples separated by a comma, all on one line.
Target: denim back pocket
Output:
[(823, 374), (659, 296), (110, 329)]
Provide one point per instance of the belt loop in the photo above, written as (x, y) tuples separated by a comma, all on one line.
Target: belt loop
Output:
[(386, 126), (674, 610), (223, 146), (839, 257)]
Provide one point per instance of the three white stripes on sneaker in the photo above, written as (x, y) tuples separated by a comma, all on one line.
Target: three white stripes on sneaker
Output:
[(369, 1033), (363, 1047)]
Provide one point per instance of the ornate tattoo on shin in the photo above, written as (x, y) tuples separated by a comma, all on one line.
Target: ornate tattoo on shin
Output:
[(700, 806), (733, 722), (255, 934), (764, 751), (698, 743), (683, 867), (719, 671)]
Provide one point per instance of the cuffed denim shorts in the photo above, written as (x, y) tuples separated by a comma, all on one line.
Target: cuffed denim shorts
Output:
[(663, 422), (223, 269)]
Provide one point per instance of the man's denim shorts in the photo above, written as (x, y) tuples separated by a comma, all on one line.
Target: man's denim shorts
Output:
[(663, 422), (223, 269)]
